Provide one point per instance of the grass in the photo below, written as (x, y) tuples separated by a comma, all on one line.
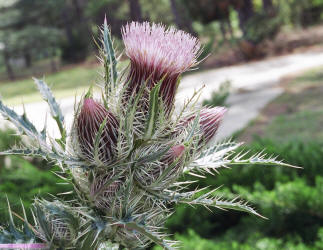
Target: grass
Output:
[(296, 114), (65, 83)]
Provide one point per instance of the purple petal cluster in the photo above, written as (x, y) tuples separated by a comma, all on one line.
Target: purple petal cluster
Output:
[(157, 53)]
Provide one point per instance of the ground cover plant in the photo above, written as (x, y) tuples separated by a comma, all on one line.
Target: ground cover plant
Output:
[(125, 152)]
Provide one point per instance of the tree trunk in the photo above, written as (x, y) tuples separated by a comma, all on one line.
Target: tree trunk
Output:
[(182, 22), (135, 10), (67, 25), (245, 12), (79, 6), (6, 57), (267, 4), (223, 29), (78, 9), (228, 21), (53, 65), (268, 7), (27, 57), (177, 18)]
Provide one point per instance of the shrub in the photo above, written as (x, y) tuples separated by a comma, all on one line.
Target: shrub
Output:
[(219, 98), (192, 241), (261, 27), (291, 200)]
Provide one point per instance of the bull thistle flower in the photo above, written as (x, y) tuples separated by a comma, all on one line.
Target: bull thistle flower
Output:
[(124, 170), (158, 54)]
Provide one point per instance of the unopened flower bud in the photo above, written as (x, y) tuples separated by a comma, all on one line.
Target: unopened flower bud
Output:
[(148, 173), (103, 192), (91, 116), (210, 119), (173, 154), (56, 223)]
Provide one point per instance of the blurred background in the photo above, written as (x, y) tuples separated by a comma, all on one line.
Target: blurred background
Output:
[(264, 62)]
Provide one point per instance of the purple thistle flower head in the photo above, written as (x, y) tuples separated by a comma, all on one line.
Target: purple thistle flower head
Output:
[(91, 116), (210, 119), (158, 53)]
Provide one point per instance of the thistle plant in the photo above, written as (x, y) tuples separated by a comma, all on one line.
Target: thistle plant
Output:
[(128, 152)]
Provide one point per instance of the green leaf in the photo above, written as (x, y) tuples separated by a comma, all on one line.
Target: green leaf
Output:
[(164, 174), (55, 110), (207, 200), (98, 138), (10, 214), (131, 113), (238, 206), (194, 128), (153, 111), (20, 121), (154, 156), (221, 158), (25, 152), (257, 159), (108, 183), (41, 219), (91, 237), (110, 62), (152, 236), (26, 228)]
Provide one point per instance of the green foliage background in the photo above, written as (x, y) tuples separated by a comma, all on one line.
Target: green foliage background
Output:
[(291, 200), (22, 179)]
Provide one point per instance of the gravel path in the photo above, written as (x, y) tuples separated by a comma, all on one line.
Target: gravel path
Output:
[(259, 81)]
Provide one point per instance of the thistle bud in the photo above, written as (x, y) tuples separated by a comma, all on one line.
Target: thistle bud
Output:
[(149, 173), (56, 223), (173, 154), (103, 192), (210, 119), (91, 117), (157, 53)]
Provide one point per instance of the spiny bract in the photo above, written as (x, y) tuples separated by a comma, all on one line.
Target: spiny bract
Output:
[(127, 150)]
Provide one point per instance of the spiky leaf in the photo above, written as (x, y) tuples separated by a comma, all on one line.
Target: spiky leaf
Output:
[(55, 110), (20, 121), (153, 111), (110, 62)]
